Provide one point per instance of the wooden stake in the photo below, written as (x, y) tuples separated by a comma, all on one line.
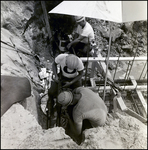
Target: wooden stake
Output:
[(46, 18)]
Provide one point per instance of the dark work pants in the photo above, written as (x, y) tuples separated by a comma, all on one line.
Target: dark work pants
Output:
[(80, 49)]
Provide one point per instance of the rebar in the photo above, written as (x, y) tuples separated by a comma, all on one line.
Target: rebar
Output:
[(135, 105), (126, 73), (110, 37), (145, 75), (116, 67), (141, 73), (132, 63), (142, 70)]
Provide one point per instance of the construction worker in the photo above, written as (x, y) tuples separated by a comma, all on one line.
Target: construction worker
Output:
[(83, 35), (87, 105), (69, 76)]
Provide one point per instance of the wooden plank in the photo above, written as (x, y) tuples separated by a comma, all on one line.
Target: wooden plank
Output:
[(46, 18), (140, 96), (133, 81), (129, 87), (92, 59), (143, 102), (134, 114), (120, 102)]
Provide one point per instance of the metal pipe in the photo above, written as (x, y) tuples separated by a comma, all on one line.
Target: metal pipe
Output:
[(140, 87), (87, 64), (93, 59), (107, 60)]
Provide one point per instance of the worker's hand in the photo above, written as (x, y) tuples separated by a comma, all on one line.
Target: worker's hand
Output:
[(68, 45), (70, 38), (55, 78)]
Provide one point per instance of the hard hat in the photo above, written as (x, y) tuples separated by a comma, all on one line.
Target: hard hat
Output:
[(65, 98), (79, 18), (72, 61)]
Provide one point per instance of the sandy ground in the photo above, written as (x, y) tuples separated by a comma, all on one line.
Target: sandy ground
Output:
[(21, 130)]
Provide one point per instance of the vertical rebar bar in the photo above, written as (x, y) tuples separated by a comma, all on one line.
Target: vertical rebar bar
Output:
[(116, 67), (136, 107), (110, 36), (145, 75), (142, 70), (126, 73), (132, 63), (141, 73)]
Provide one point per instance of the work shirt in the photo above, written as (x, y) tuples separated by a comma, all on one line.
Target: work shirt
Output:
[(61, 60), (87, 31), (90, 106)]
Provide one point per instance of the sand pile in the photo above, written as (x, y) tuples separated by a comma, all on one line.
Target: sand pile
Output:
[(20, 130)]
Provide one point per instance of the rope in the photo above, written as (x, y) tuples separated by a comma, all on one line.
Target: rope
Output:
[(23, 62), (17, 49)]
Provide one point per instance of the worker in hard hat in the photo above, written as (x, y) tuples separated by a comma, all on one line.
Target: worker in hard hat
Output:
[(83, 35), (86, 105), (69, 76)]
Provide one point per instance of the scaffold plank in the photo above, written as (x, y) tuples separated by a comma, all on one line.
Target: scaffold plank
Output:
[(143, 102), (128, 87), (133, 81), (121, 104)]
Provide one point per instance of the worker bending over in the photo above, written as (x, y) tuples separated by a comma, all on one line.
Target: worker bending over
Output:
[(86, 105)]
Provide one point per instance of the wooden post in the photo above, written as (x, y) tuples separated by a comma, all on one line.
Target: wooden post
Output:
[(46, 18), (134, 114)]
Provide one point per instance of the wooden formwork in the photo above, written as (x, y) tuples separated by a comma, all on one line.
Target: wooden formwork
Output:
[(119, 101)]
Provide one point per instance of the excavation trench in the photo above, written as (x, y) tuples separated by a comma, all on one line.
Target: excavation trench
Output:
[(35, 41)]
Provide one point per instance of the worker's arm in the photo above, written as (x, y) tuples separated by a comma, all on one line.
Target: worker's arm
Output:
[(75, 131), (77, 40), (75, 79)]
